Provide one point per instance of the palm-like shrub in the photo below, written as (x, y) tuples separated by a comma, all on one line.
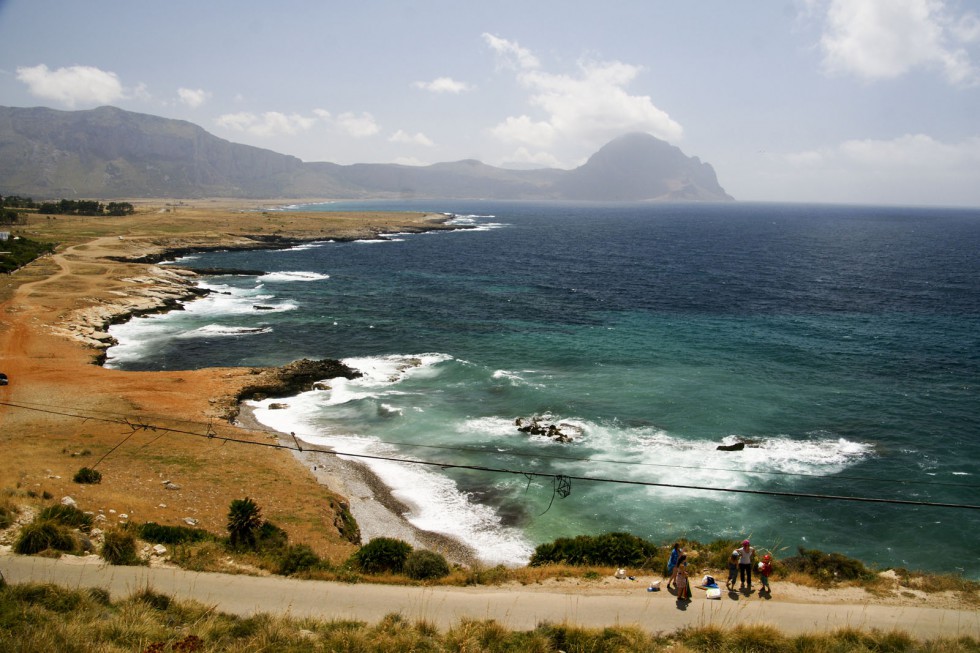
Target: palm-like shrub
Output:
[(382, 554), (426, 565), (244, 521)]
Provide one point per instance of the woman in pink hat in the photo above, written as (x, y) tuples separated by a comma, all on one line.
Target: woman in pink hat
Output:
[(745, 565)]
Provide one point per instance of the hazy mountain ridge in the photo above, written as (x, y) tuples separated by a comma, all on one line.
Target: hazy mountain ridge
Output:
[(112, 153)]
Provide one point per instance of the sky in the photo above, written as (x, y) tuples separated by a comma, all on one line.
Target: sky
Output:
[(831, 101)]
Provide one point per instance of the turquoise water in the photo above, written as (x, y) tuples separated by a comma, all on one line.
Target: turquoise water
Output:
[(843, 342)]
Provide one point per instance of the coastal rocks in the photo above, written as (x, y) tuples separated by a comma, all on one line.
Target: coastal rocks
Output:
[(293, 378), (557, 432), (738, 445), (158, 290)]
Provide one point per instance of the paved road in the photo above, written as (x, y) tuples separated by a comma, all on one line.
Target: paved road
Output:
[(444, 607)]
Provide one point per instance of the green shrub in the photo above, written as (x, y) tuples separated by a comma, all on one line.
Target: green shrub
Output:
[(298, 558), (87, 475), (271, 539), (43, 534), (611, 549), (244, 520), (382, 554), (67, 516), (161, 534), (829, 567), (426, 565), (119, 548)]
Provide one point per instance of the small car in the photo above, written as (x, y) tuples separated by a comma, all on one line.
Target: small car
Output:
[(3, 379)]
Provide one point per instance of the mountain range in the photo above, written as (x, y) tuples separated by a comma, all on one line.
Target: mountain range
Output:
[(111, 153)]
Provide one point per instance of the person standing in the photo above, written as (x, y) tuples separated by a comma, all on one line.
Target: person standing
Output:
[(745, 565), (675, 553), (733, 569), (765, 569), (682, 582)]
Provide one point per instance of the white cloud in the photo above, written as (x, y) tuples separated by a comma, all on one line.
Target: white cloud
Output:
[(443, 85), (411, 139), (908, 169), (193, 97), (920, 153), (885, 39), (588, 108), (511, 53), (85, 85), (522, 157), (270, 123), (358, 126)]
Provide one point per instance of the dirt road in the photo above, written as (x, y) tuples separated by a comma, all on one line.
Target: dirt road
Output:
[(521, 609)]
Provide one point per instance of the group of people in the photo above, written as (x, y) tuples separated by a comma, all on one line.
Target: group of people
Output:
[(739, 569)]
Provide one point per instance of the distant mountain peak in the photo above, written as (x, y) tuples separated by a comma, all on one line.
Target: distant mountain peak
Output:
[(639, 166), (112, 153)]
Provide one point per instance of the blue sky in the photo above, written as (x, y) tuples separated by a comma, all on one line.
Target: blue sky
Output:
[(866, 101)]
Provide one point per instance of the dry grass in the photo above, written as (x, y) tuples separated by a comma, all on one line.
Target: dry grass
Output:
[(41, 618)]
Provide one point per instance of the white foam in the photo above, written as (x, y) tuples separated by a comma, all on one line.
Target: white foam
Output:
[(221, 330), (436, 503), (285, 276), (307, 246)]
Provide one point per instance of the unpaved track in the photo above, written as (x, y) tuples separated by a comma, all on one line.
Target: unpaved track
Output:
[(518, 610)]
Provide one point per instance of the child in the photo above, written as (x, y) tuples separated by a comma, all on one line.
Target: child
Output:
[(681, 581), (765, 568), (732, 569)]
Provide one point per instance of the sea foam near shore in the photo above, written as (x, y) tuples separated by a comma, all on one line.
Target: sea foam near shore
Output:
[(434, 502)]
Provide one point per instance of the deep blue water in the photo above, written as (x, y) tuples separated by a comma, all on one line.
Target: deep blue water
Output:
[(843, 341)]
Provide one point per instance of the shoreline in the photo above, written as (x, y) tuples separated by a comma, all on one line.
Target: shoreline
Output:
[(53, 321), (377, 511)]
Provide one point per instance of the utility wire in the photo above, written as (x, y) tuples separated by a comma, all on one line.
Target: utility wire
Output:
[(211, 435), (549, 456)]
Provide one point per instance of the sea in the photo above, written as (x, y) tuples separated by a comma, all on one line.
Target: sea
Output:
[(839, 344)]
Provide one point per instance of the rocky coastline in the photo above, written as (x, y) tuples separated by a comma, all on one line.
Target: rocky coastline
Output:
[(162, 288)]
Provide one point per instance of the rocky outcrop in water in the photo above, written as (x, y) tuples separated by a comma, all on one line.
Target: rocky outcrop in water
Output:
[(293, 378)]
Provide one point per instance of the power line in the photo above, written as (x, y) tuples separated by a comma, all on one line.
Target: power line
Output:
[(549, 456), (212, 435)]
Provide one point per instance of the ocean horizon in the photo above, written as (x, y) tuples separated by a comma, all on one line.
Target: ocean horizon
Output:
[(838, 345)]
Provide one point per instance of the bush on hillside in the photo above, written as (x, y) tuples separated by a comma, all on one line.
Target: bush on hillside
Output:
[(382, 554), (87, 475), (830, 567), (119, 548), (8, 515), (298, 558), (67, 516), (426, 565), (271, 539), (162, 534), (42, 535), (611, 549)]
